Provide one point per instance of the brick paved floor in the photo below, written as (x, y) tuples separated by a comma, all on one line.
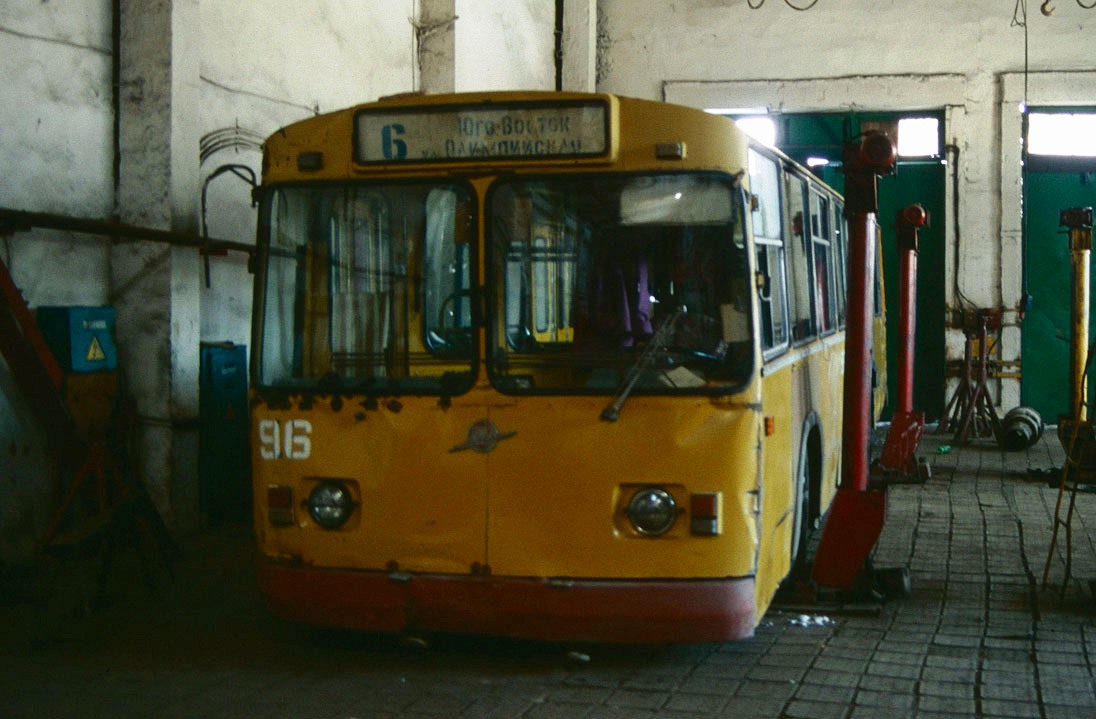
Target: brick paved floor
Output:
[(978, 637)]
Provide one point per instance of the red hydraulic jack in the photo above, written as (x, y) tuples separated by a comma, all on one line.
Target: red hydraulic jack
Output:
[(857, 515), (897, 462)]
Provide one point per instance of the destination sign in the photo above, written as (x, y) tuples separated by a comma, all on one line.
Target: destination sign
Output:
[(487, 132)]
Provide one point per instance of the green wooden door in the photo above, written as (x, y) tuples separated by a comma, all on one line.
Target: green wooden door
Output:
[(921, 181), (1050, 186)]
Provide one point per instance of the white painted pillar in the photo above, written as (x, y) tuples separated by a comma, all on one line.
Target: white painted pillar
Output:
[(580, 45), (435, 43), (154, 287)]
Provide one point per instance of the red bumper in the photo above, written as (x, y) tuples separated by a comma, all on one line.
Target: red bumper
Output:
[(571, 610)]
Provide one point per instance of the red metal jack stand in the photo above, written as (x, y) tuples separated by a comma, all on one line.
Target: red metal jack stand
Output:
[(970, 411), (121, 502), (857, 515), (897, 462)]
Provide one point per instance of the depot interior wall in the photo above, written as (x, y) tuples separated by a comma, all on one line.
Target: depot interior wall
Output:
[(55, 156), (505, 46), (289, 62), (55, 140), (867, 55), (203, 81)]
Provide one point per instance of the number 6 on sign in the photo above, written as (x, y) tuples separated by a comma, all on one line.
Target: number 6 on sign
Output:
[(293, 440), (393, 148)]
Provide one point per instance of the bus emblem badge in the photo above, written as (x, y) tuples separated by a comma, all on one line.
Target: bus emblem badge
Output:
[(483, 436)]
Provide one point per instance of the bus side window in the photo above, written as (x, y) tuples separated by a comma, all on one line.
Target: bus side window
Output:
[(772, 290), (771, 279), (880, 301), (825, 286), (840, 250), (797, 241)]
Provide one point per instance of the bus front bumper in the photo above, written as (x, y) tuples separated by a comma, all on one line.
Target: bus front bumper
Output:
[(552, 610)]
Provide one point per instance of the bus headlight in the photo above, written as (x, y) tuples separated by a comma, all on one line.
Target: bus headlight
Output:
[(330, 504), (652, 511)]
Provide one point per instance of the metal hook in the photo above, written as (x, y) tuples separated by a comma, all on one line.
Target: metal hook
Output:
[(1046, 9)]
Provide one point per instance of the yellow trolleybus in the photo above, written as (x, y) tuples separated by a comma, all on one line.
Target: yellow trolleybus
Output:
[(547, 365)]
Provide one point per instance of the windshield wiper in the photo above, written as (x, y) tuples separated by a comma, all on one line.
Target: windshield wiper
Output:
[(655, 346)]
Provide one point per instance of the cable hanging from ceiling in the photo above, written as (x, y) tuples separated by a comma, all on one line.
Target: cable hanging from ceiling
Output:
[(1047, 8), (755, 4)]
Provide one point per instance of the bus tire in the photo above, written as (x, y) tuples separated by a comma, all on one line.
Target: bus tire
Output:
[(807, 488)]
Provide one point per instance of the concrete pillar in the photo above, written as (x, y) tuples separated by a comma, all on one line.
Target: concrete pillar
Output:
[(580, 45), (435, 44), (154, 287)]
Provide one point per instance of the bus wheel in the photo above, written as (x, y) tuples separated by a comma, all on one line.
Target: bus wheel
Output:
[(804, 539), (801, 524)]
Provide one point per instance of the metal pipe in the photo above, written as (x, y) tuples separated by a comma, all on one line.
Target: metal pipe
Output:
[(909, 220), (1079, 222), (558, 52), (116, 98), (858, 348), (1078, 347), (864, 163), (20, 221)]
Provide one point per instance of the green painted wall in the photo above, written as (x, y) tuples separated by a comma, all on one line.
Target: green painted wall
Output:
[(921, 181)]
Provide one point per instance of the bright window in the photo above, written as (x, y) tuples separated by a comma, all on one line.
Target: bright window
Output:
[(1062, 134), (762, 129), (919, 137)]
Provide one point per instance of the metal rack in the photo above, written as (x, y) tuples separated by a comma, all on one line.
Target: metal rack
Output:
[(970, 411)]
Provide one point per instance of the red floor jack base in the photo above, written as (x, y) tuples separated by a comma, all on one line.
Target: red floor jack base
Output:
[(852, 529), (898, 463)]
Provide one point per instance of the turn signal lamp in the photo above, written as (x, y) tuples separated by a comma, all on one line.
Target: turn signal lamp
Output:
[(704, 511), (279, 505)]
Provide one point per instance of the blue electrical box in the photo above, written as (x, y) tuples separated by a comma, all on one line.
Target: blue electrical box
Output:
[(81, 338), (224, 457)]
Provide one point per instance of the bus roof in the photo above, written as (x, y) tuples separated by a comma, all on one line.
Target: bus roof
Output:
[(520, 131)]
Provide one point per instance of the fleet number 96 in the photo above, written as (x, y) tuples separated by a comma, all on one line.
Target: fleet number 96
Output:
[(291, 439)]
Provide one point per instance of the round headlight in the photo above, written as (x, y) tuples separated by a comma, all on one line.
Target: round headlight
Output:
[(330, 504), (652, 511)]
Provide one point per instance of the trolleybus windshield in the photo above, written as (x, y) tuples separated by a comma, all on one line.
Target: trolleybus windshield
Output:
[(368, 287), (585, 269)]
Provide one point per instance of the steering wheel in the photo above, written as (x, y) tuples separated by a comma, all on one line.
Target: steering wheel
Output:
[(699, 336), (457, 340)]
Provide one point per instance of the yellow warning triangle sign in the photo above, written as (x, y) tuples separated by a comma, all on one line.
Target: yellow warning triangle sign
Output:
[(95, 351)]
